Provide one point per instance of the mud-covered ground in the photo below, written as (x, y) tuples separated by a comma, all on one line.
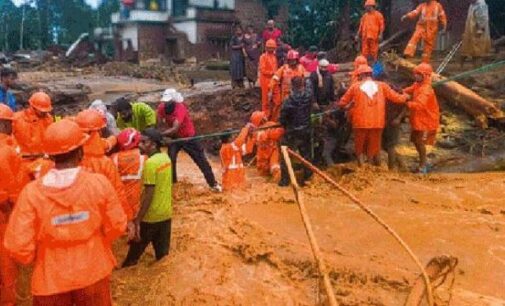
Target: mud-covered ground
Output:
[(250, 247)]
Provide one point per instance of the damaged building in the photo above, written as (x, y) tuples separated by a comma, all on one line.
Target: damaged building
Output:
[(177, 29)]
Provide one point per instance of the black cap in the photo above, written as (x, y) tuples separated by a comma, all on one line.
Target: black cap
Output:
[(122, 104), (154, 135)]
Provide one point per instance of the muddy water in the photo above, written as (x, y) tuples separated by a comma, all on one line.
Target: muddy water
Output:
[(250, 247)]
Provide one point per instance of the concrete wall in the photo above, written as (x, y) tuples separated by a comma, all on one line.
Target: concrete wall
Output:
[(189, 28), (130, 32)]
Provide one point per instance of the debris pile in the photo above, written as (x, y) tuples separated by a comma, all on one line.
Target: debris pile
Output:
[(155, 71)]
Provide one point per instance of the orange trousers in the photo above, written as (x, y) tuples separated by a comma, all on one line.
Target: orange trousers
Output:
[(8, 273), (269, 164), (265, 104), (234, 179), (429, 38), (97, 294), (367, 141), (370, 47)]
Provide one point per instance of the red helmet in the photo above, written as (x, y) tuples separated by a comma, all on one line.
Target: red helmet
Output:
[(128, 139), (293, 55)]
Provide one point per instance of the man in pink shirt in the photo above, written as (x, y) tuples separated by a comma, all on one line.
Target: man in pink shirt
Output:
[(271, 32), (174, 121), (309, 61)]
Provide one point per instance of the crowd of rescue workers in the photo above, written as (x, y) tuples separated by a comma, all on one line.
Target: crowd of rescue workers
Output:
[(69, 187)]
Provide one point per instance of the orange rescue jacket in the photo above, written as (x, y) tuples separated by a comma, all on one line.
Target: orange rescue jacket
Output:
[(283, 78), (371, 25), (96, 161), (130, 165), (66, 232), (28, 129), (430, 15), (369, 97), (424, 108), (231, 161)]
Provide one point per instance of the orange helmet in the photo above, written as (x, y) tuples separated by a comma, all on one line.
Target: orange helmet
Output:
[(129, 139), (360, 60), (370, 3), (293, 55), (276, 134), (424, 69), (41, 102), (90, 120), (271, 44), (62, 137), (257, 118), (364, 69), (6, 113)]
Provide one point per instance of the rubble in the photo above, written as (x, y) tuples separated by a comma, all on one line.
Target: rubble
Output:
[(157, 72)]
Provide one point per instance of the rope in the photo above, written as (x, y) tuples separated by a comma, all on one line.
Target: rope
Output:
[(482, 69), (375, 217), (462, 75)]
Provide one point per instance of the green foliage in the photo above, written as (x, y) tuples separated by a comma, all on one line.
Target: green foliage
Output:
[(273, 6), (50, 21), (321, 22)]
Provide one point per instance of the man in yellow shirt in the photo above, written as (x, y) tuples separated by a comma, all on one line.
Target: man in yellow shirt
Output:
[(137, 115), (154, 220)]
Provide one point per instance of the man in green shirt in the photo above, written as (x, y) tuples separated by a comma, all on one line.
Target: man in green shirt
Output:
[(153, 223), (137, 115)]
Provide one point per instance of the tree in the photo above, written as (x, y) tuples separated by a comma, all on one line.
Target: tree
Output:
[(322, 22)]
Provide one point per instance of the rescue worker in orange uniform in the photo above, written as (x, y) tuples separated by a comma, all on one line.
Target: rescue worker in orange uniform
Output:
[(368, 113), (267, 145), (130, 164), (358, 62), (371, 29), (231, 159), (29, 125), (94, 160), (64, 223), (430, 13), (266, 70), (12, 179), (424, 113), (282, 80)]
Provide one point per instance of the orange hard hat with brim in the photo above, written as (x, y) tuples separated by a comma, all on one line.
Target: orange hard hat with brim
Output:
[(364, 69), (63, 137), (41, 102), (360, 60), (424, 69), (271, 44), (257, 117), (370, 3), (6, 113), (91, 120)]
